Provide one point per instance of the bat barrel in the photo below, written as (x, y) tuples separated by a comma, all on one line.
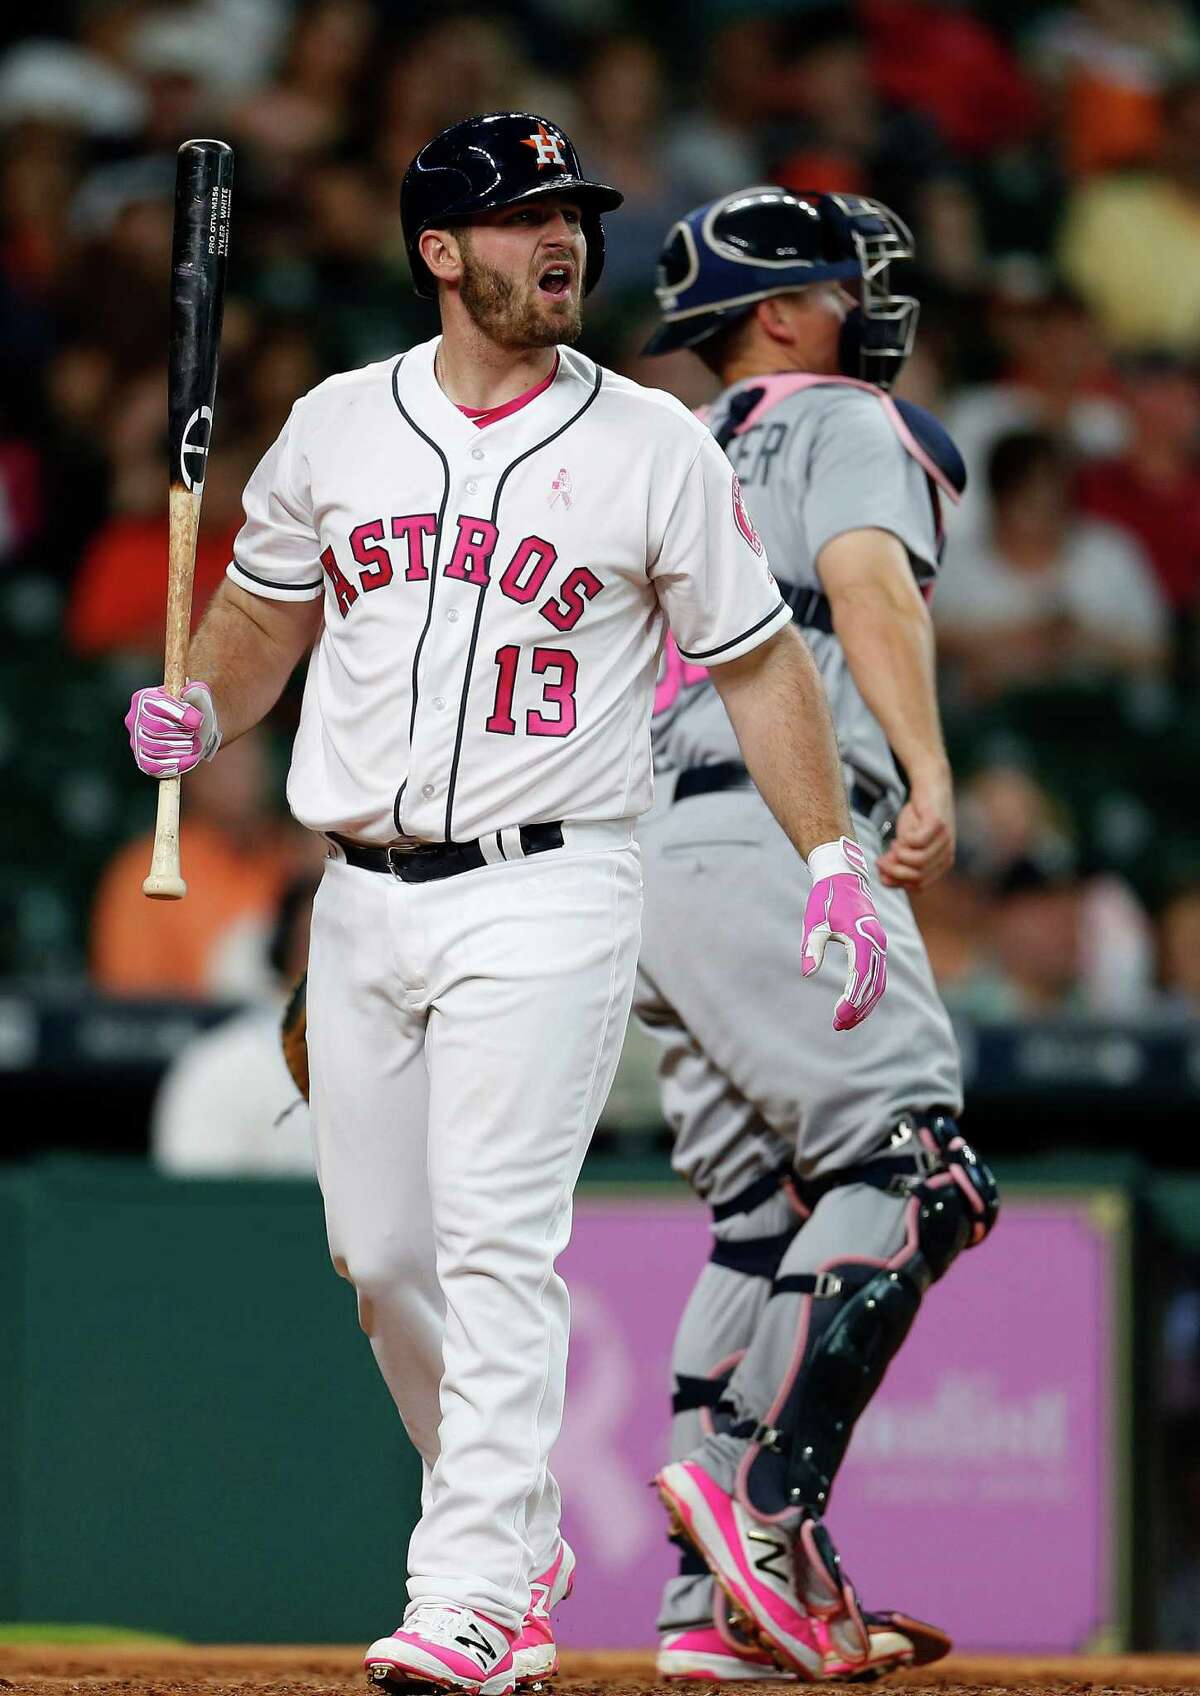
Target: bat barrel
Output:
[(199, 255)]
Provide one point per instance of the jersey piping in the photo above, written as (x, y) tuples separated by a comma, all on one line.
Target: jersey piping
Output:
[(710, 653), (433, 578), (482, 416), (270, 583), (466, 687)]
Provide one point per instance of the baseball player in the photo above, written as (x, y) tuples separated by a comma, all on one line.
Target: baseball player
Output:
[(839, 1184), (484, 538)]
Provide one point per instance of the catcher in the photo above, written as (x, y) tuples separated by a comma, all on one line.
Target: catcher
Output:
[(839, 1183)]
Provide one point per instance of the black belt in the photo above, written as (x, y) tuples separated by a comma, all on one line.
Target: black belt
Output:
[(428, 861), (864, 796)]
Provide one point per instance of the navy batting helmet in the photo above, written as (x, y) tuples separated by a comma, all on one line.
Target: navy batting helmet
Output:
[(723, 258), (495, 160)]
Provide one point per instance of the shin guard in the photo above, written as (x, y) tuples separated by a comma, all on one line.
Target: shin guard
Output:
[(855, 1313)]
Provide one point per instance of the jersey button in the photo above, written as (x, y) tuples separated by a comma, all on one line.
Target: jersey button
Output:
[(439, 702), (427, 790), (472, 486), (476, 453), (452, 615)]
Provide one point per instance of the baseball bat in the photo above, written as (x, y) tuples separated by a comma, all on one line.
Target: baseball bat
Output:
[(199, 253)]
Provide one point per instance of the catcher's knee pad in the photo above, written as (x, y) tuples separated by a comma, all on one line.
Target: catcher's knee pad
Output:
[(855, 1316)]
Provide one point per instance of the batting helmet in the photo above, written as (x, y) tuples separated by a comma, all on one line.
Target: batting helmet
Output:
[(723, 258), (495, 160)]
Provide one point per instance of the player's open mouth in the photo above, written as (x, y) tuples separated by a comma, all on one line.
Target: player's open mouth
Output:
[(555, 281)]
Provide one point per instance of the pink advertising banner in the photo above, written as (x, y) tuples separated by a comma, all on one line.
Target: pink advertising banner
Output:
[(981, 1490)]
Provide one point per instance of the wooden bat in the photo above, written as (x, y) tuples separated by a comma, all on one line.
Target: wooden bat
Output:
[(199, 252)]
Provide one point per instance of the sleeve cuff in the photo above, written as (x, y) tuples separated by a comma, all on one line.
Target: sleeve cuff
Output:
[(733, 649), (269, 589), (917, 548)]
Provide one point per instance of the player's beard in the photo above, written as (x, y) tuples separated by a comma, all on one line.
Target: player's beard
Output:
[(510, 319)]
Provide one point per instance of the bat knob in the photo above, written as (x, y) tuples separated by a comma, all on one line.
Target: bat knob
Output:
[(162, 886)]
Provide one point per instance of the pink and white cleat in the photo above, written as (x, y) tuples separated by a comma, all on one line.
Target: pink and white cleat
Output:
[(720, 1651), (448, 1648), (778, 1582), (535, 1653), (702, 1652), (896, 1640)]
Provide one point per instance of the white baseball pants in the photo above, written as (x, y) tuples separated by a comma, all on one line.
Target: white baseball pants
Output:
[(463, 1036)]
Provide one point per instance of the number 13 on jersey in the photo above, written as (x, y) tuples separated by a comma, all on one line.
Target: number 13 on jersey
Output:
[(557, 668)]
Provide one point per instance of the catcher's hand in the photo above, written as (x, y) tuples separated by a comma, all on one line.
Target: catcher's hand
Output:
[(840, 909), (294, 1035)]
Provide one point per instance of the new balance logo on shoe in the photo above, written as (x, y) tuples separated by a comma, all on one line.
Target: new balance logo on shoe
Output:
[(774, 1551), (473, 1638)]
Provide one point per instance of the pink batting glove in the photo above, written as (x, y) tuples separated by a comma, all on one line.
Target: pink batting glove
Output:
[(168, 735), (840, 908)]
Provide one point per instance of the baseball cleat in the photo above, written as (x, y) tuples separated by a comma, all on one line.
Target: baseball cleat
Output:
[(720, 1651), (778, 1582), (443, 1648), (701, 1652), (535, 1653), (896, 1640)]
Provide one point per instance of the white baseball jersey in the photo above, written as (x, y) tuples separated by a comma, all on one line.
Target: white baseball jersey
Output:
[(495, 598)]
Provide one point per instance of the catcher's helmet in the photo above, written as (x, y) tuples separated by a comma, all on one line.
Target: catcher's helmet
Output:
[(495, 160), (723, 258)]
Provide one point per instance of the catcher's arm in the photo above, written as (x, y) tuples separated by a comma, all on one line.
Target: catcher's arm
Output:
[(294, 1035)]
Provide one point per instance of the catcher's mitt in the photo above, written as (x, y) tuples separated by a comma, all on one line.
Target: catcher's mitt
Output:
[(294, 1035)]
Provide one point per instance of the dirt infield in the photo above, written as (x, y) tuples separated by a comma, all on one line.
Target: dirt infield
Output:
[(46, 1670)]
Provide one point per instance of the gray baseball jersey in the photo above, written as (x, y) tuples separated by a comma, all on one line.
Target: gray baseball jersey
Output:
[(750, 1072), (824, 458)]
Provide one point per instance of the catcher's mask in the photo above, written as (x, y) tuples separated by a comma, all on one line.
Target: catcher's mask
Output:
[(724, 257)]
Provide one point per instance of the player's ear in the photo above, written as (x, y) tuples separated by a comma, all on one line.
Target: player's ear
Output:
[(775, 316), (442, 253)]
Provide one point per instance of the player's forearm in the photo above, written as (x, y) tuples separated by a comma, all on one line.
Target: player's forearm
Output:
[(245, 650), (889, 643), (778, 709)]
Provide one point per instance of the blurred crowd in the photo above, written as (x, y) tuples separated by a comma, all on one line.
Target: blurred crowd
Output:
[(1047, 157)]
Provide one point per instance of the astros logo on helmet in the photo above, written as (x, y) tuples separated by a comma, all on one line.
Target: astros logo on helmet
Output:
[(547, 147)]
